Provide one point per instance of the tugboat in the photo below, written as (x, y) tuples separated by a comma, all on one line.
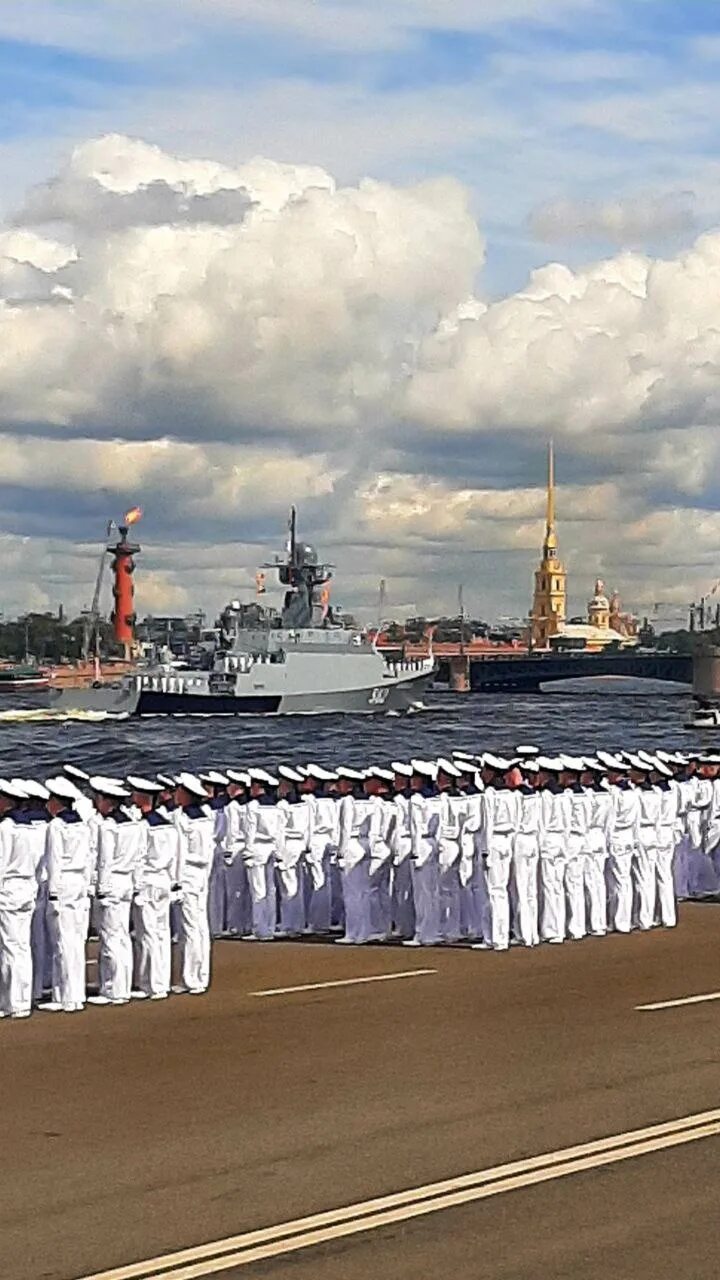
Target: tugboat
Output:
[(301, 660)]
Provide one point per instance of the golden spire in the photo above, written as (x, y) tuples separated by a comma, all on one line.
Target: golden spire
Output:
[(550, 534)]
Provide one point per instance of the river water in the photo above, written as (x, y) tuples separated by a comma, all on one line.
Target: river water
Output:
[(636, 715)]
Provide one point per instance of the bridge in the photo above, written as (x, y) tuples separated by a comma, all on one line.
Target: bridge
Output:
[(525, 673)]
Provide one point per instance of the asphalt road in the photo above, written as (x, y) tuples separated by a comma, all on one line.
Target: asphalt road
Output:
[(131, 1133)]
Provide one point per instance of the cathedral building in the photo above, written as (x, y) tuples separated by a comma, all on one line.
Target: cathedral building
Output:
[(606, 623)]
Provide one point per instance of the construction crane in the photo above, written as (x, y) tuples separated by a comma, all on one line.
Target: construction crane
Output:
[(91, 616)]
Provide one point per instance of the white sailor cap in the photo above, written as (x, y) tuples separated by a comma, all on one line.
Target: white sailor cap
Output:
[(594, 765), (34, 790), (662, 768), (72, 771), (376, 771), (424, 768), (491, 761), (448, 768), (466, 766), (262, 775), (319, 773), (239, 776), (214, 778), (463, 755), (550, 764), (136, 783), (401, 769), (572, 764), (638, 765), (107, 787), (671, 757), (13, 790), (289, 774), (353, 775), (62, 788), (614, 763), (192, 784), (166, 782), (527, 752), (530, 765), (646, 755)]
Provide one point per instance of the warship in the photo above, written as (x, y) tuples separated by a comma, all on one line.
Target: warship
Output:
[(302, 659)]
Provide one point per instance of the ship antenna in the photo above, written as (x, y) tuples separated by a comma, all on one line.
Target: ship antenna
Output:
[(293, 542)]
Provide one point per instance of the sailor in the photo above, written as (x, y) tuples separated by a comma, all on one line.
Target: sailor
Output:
[(378, 784), (526, 853), (573, 769), (644, 866), (686, 785), (156, 878), (121, 846), (359, 818), (500, 822), (263, 835), (701, 873), (554, 833), (425, 808), (165, 802), (474, 900), (322, 846), (291, 853), (597, 839), (668, 836), (22, 857), (71, 858), (403, 906), (37, 816), (238, 910), (623, 844), (196, 825), (453, 812), (711, 832), (216, 785)]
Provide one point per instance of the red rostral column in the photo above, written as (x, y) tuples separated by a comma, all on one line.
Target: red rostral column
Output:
[(123, 565)]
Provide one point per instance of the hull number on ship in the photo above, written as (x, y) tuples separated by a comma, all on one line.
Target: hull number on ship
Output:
[(378, 697)]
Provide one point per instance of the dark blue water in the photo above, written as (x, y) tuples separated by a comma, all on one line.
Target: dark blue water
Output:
[(554, 721)]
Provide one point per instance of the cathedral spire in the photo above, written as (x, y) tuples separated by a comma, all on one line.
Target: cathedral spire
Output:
[(550, 545), (549, 599)]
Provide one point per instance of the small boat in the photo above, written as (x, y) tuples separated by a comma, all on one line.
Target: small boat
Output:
[(18, 676), (703, 717)]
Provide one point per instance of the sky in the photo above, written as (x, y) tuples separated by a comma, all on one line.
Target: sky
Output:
[(366, 256)]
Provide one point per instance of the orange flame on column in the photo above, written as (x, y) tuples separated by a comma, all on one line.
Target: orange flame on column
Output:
[(133, 515)]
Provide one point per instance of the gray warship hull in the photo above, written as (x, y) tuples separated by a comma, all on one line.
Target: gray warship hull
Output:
[(364, 683)]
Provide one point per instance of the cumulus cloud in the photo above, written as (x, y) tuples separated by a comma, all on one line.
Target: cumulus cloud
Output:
[(630, 222), (216, 342)]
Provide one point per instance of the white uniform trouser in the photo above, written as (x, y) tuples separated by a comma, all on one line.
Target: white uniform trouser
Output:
[(552, 887), (449, 889), (576, 925), (645, 877), (524, 887), (195, 933), (217, 895), (403, 906), (664, 879), (318, 887), (355, 872), (290, 886), (426, 897), (238, 902), (40, 945), (115, 958), (702, 877), (152, 940), (16, 970), (498, 864), (681, 870), (260, 867), (594, 879), (619, 879), (68, 918), (474, 900), (380, 871)]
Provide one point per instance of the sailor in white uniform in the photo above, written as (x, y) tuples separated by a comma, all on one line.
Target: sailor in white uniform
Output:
[(597, 843), (403, 906), (71, 858), (701, 872), (453, 812), (669, 833), (216, 784), (238, 911), (575, 853), (359, 816), (156, 878), (195, 823), (263, 836), (378, 785), (37, 816), (425, 809), (526, 856), (624, 843), (554, 835), (474, 900), (322, 846), (290, 858), (500, 823), (22, 856), (644, 867), (121, 846)]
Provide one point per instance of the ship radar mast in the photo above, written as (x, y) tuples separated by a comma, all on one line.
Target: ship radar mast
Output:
[(306, 601)]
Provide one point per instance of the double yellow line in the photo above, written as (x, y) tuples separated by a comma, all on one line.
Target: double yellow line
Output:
[(370, 1215)]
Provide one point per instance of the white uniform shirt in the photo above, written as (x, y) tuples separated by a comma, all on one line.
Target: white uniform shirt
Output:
[(264, 831), (360, 825), (71, 857), (22, 862), (121, 848), (196, 827), (424, 824)]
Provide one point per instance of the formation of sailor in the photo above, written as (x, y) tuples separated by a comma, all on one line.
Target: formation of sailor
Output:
[(484, 850)]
